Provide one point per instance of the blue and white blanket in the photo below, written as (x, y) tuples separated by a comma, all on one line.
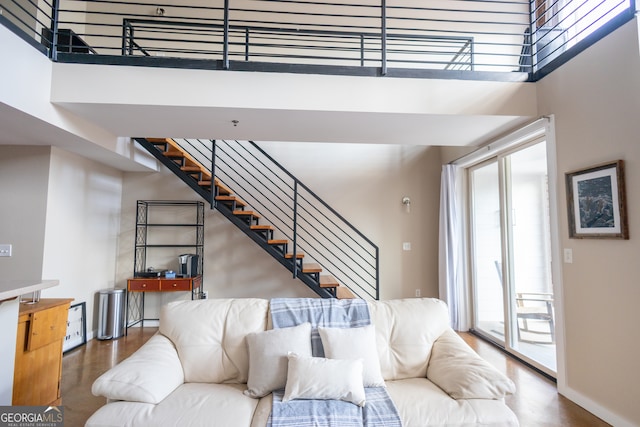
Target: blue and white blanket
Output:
[(379, 410)]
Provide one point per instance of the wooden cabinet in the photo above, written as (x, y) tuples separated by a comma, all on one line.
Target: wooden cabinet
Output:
[(38, 364), (143, 285), (164, 285), (140, 286)]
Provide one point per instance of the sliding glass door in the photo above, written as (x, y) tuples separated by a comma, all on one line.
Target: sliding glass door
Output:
[(511, 254), (487, 251)]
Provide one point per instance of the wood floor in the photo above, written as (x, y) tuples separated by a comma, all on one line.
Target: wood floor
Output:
[(536, 403)]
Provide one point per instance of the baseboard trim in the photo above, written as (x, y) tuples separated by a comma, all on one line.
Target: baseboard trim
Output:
[(595, 408)]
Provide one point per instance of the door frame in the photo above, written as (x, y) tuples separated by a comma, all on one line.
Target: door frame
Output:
[(542, 128)]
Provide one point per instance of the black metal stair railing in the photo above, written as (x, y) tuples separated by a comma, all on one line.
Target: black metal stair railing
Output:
[(295, 212)]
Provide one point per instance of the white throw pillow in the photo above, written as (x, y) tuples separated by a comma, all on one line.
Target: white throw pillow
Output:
[(268, 357), (354, 343), (324, 379)]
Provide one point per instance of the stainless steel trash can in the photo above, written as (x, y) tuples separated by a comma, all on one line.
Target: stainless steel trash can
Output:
[(111, 321)]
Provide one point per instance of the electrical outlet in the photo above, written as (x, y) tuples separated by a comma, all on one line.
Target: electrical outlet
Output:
[(418, 293), (406, 246), (5, 250)]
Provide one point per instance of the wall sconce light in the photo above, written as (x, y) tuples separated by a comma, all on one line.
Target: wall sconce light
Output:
[(406, 201), (160, 11)]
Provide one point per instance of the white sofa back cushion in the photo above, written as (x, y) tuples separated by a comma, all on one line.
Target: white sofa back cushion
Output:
[(405, 332), (209, 336)]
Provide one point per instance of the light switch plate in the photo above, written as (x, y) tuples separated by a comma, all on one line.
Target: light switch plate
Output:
[(568, 256), (5, 250), (406, 246)]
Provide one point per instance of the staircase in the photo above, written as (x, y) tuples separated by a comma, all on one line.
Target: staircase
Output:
[(277, 212)]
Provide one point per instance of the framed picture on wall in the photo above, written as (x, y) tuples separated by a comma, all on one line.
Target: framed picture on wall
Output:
[(596, 202)]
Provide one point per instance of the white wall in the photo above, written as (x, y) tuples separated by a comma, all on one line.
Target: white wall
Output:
[(365, 183), (82, 226), (24, 179), (596, 99)]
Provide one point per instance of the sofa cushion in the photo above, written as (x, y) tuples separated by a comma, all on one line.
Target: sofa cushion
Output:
[(459, 371), (354, 343), (405, 332), (210, 336), (137, 380), (268, 357), (421, 403), (195, 404), (324, 379)]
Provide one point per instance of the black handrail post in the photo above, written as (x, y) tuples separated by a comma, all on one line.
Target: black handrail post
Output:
[(246, 44), (532, 20), (55, 12), (125, 27), (383, 39), (377, 273), (213, 174), (362, 50), (225, 48), (295, 229)]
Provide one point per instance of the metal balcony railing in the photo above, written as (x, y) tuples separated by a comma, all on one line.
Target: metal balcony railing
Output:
[(362, 37)]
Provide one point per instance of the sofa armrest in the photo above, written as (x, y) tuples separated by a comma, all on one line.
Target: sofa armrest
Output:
[(460, 372), (148, 375)]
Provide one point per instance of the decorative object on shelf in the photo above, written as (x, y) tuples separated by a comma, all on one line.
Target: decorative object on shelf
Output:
[(76, 327), (596, 202)]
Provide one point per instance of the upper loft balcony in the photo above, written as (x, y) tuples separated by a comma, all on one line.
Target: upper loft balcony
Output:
[(503, 40)]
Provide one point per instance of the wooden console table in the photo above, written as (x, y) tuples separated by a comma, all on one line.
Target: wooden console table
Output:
[(140, 286), (38, 364)]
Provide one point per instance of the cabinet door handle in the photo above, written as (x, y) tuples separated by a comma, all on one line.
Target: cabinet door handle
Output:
[(144, 285), (175, 285)]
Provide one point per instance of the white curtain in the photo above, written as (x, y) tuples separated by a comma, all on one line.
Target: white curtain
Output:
[(452, 281)]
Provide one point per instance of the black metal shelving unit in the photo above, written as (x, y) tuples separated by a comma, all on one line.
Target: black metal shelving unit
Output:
[(135, 300), (143, 227)]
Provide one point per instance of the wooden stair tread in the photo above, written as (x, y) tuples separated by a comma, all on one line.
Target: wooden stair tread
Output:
[(191, 169), (173, 153), (223, 190), (231, 199), (299, 255), (343, 292), (157, 140), (278, 242), (311, 268), (328, 282), (189, 159), (247, 213), (261, 227)]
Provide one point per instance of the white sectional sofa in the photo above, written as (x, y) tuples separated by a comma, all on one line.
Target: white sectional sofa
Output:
[(194, 372)]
